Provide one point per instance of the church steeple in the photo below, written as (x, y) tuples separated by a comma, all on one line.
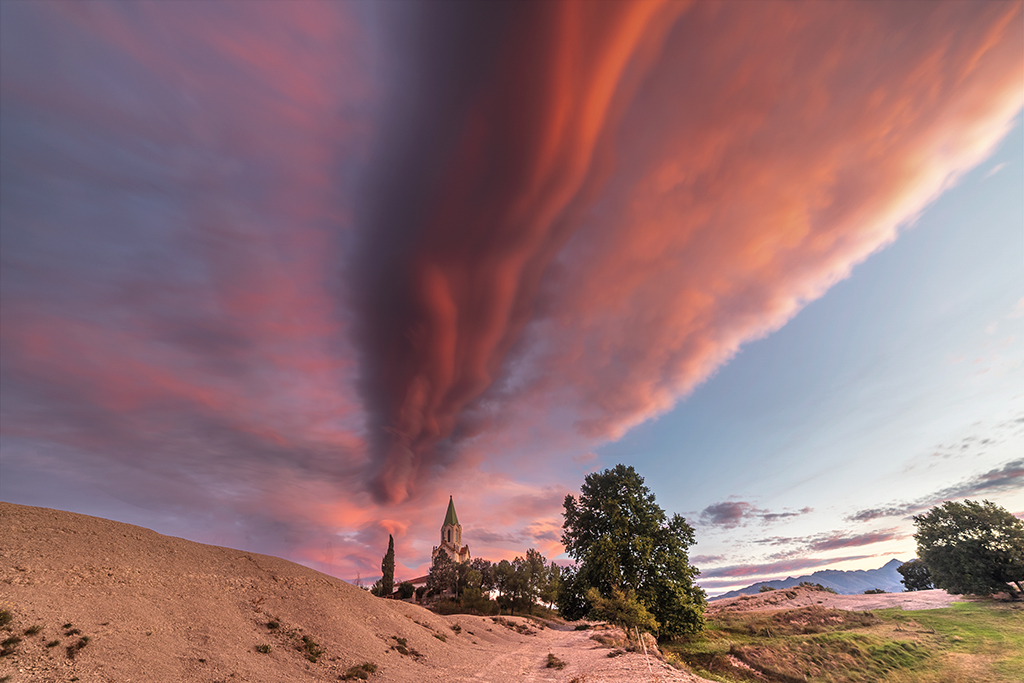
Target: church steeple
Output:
[(451, 517), (451, 536)]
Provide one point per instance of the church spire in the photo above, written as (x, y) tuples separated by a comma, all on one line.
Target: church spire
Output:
[(451, 518)]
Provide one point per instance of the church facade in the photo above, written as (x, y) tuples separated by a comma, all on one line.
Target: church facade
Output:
[(451, 537)]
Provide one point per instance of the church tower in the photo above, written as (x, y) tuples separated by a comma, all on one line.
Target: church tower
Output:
[(451, 537)]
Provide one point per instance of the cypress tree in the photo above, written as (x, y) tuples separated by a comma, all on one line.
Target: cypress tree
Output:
[(387, 568)]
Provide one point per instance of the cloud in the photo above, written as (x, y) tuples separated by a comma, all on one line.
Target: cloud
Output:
[(1009, 477), (730, 514), (595, 239), (772, 568), (837, 540), (279, 268), (995, 169)]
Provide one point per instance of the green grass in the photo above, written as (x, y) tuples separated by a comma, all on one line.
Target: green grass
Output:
[(976, 642)]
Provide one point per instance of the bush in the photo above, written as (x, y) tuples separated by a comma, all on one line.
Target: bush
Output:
[(313, 650), (406, 590), (874, 591), (765, 589), (817, 587), (263, 649), (360, 672), (555, 663)]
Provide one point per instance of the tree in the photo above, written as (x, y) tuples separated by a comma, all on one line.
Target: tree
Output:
[(552, 584), (622, 609), (387, 567), (486, 570), (915, 576), (406, 590), (622, 540), (443, 576), (972, 547)]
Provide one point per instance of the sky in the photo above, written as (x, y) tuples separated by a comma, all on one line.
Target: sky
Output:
[(284, 276)]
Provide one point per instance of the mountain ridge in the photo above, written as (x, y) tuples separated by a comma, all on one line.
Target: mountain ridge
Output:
[(849, 582)]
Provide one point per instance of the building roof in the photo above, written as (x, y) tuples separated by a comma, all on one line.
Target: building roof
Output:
[(451, 517)]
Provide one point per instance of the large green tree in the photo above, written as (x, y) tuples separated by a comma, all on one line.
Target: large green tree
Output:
[(971, 547), (623, 541)]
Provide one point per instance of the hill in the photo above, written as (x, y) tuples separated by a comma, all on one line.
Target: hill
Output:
[(843, 582), (91, 600)]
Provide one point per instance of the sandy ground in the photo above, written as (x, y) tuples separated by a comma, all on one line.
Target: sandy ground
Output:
[(157, 608), (789, 598)]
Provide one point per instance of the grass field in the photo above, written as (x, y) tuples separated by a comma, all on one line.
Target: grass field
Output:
[(980, 641)]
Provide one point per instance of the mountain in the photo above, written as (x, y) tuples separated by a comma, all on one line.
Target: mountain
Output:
[(843, 582)]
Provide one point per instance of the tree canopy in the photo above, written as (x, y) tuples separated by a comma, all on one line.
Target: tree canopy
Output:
[(971, 547), (624, 544), (915, 575)]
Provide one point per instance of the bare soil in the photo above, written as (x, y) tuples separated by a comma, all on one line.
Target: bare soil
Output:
[(155, 608)]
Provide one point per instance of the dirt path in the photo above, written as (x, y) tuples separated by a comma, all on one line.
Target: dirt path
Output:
[(585, 661)]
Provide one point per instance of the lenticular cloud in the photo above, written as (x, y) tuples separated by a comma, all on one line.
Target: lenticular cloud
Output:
[(601, 203)]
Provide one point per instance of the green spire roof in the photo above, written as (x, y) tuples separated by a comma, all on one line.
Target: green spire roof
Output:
[(451, 517)]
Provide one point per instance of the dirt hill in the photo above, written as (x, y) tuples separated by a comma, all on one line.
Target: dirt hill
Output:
[(128, 604)]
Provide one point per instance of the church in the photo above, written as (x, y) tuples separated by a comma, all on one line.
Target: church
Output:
[(451, 537)]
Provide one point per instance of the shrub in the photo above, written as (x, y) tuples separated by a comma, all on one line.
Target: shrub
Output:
[(5, 617), (765, 589), (273, 624), (313, 650), (555, 663), (32, 630), (442, 637), (360, 672), (874, 591), (263, 649), (816, 587), (406, 590), (53, 643)]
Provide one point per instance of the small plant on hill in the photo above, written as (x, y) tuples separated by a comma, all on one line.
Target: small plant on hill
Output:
[(403, 648), (817, 587), (554, 662), (765, 589), (874, 591), (313, 650), (53, 643), (32, 630), (263, 649), (457, 628), (5, 617), (359, 672), (72, 650), (273, 624), (8, 646)]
